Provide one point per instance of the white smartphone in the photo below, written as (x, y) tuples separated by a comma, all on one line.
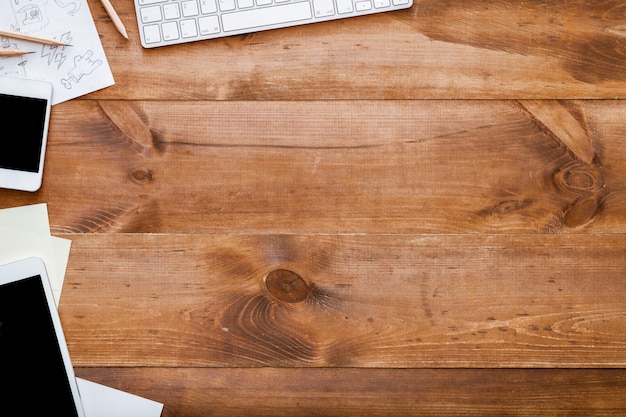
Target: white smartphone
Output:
[(36, 374), (25, 110)]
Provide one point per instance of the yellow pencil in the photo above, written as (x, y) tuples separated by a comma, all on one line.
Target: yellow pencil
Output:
[(32, 38), (13, 52), (114, 17)]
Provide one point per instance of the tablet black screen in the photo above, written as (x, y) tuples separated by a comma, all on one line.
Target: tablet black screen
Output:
[(20, 147), (33, 381)]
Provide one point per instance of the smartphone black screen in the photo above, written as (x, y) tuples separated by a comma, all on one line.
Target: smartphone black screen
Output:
[(33, 381), (20, 147)]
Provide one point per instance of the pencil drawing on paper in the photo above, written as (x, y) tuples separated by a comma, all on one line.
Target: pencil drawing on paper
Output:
[(19, 69), (57, 55), (78, 67), (30, 15), (72, 5), (83, 65)]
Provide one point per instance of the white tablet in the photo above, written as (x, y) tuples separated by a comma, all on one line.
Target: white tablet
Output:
[(36, 375), (25, 110)]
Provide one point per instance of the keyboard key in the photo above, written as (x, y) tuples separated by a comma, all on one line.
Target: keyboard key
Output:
[(188, 28), (344, 6), (263, 2), (381, 3), (208, 6), (361, 6), (170, 31), (323, 8), (171, 11), (151, 14), (190, 8), (209, 25), (152, 34), (245, 4), (149, 2), (284, 13), (226, 5)]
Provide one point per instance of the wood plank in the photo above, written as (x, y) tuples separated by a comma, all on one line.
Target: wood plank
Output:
[(335, 167), (374, 392), (201, 300), (455, 49)]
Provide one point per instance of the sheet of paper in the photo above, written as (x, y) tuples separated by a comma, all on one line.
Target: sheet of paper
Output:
[(73, 70), (16, 245), (61, 248), (25, 232), (32, 218), (102, 401)]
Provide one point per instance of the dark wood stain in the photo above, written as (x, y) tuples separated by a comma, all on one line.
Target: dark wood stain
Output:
[(287, 286)]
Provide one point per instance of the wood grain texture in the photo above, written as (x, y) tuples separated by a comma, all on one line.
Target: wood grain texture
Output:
[(393, 215), (409, 301), (380, 392), (452, 49), (336, 167)]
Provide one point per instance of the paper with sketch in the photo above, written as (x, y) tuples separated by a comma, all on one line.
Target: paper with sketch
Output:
[(25, 232), (73, 70)]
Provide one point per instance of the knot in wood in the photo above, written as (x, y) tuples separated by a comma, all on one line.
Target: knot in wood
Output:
[(287, 286), (579, 178), (142, 174)]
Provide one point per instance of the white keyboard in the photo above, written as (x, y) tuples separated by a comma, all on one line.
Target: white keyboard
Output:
[(168, 22)]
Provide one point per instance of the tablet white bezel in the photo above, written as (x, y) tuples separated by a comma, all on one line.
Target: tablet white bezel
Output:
[(28, 268), (29, 88)]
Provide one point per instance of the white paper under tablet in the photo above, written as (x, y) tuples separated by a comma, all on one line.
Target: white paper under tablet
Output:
[(36, 378)]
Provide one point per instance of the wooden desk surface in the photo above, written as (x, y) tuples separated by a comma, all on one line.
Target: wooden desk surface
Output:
[(446, 183)]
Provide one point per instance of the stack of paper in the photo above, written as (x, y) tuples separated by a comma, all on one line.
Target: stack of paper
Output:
[(24, 233)]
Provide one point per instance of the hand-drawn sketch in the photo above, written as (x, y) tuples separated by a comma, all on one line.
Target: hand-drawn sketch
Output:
[(30, 15), (19, 69), (83, 65), (5, 43), (74, 70), (72, 4), (57, 55)]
